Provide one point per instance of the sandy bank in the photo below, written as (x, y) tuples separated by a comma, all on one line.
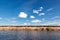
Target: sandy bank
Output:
[(31, 28)]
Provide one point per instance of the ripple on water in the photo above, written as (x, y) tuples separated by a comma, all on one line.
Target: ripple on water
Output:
[(29, 35)]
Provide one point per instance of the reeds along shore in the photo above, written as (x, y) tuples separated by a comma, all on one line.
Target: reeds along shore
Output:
[(39, 28)]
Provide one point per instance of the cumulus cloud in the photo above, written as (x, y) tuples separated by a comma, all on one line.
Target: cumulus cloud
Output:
[(41, 14), (36, 21), (35, 11), (22, 15), (32, 16), (40, 9)]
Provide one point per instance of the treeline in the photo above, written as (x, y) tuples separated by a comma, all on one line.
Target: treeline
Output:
[(29, 26)]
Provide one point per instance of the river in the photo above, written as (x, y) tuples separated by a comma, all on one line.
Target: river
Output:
[(29, 35)]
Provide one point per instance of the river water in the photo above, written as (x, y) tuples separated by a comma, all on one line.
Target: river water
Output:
[(29, 35)]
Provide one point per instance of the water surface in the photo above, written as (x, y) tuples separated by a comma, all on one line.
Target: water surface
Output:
[(29, 35)]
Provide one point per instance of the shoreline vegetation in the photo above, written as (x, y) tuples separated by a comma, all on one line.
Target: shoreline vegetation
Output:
[(30, 28)]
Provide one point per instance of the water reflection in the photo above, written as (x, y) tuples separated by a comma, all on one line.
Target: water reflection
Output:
[(29, 35)]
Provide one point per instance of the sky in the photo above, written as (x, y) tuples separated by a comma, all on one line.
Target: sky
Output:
[(29, 12)]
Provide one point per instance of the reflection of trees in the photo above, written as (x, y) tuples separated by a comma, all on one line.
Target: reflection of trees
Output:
[(48, 29), (42, 29)]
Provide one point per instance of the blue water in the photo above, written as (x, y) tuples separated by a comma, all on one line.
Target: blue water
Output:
[(29, 35)]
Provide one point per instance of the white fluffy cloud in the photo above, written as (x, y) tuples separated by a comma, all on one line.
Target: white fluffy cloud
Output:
[(32, 16), (36, 21), (23, 15), (41, 14), (35, 11), (40, 9)]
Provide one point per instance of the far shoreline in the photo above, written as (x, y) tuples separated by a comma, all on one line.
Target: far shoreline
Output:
[(36, 28)]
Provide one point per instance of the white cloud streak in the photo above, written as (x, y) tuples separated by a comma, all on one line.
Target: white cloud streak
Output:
[(11, 20), (26, 23), (53, 23), (14, 21), (36, 21), (56, 17), (41, 14), (50, 9)]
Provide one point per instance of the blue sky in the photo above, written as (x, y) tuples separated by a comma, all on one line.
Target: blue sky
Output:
[(29, 12)]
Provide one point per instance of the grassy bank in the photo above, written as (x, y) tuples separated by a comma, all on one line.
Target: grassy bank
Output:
[(31, 28)]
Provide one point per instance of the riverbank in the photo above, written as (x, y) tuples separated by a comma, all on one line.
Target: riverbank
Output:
[(41, 28)]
